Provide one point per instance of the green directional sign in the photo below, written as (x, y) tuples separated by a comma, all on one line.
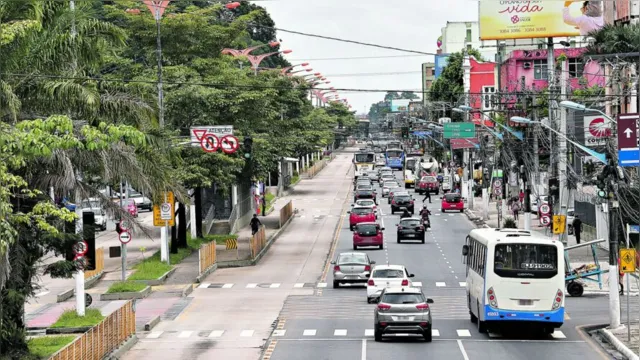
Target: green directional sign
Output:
[(459, 130)]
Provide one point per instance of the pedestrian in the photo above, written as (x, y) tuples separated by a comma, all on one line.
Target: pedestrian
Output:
[(515, 208), (255, 224), (521, 197), (577, 228), (427, 195)]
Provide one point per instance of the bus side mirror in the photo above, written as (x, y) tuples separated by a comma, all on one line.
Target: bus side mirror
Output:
[(465, 250)]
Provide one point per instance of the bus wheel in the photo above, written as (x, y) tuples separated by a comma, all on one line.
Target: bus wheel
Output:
[(482, 325), (575, 289), (473, 318)]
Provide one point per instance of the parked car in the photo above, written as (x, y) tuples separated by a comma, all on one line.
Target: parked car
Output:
[(428, 183), (100, 217), (130, 206), (452, 201), (360, 214), (410, 229), (571, 215), (385, 276), (402, 310), (351, 268), (142, 202), (401, 200), (446, 184), (368, 234)]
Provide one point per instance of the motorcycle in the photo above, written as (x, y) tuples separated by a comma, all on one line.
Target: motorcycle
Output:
[(426, 223)]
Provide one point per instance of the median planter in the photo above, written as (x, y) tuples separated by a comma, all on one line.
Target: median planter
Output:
[(70, 330), (158, 281), (127, 290)]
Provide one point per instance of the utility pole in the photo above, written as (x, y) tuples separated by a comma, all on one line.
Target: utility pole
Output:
[(552, 106), (562, 151), (614, 295)]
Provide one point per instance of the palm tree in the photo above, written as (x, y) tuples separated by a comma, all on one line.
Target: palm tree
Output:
[(615, 39)]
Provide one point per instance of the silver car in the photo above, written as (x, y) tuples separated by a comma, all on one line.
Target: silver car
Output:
[(402, 310), (388, 187), (100, 217), (351, 268)]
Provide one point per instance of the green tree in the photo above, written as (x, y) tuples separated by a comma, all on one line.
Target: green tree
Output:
[(408, 95), (449, 86), (391, 95)]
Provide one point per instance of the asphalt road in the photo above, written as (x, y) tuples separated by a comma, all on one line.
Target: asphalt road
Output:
[(338, 323)]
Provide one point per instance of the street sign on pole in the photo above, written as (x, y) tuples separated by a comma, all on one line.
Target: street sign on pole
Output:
[(545, 220), (559, 224), (163, 214), (459, 130), (198, 133), (229, 144), (628, 145), (124, 237), (545, 209), (628, 260), (209, 143)]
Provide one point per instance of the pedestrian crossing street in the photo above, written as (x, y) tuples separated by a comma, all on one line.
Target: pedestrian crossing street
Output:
[(319, 285), (315, 333)]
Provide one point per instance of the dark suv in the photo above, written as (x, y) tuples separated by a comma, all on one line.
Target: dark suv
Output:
[(410, 229), (365, 193), (402, 200)]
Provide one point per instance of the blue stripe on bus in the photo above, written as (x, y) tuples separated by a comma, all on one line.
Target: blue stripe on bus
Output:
[(492, 314)]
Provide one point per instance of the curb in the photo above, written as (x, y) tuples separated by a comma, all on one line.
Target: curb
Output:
[(88, 284), (206, 273), (187, 290), (152, 323), (160, 280), (618, 345), (127, 295), (120, 351)]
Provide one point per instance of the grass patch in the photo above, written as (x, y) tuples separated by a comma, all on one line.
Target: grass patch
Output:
[(70, 319), (152, 268), (269, 199), (126, 286), (295, 179), (45, 346)]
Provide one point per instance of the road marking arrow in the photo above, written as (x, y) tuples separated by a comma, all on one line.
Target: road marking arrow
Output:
[(628, 132)]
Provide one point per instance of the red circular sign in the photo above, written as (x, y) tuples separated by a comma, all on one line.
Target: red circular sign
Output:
[(229, 144), (598, 128), (209, 143)]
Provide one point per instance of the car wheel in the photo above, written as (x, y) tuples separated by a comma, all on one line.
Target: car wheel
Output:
[(427, 335), (442, 210), (398, 240), (462, 210), (350, 227), (355, 247), (377, 334), (381, 247), (336, 284), (406, 186), (472, 318), (412, 212), (422, 239)]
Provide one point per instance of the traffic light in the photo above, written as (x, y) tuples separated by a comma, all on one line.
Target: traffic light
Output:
[(405, 132), (247, 146), (89, 235)]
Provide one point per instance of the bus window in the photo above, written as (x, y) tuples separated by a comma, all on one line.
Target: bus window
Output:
[(526, 260)]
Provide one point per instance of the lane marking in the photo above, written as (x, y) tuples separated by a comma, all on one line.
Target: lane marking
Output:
[(435, 332), (279, 332), (216, 333), (463, 333), (43, 293), (227, 286), (298, 285), (441, 284), (246, 333), (274, 286), (154, 335), (557, 334), (462, 350), (364, 349), (203, 285), (251, 286), (368, 332), (322, 285), (417, 284), (309, 332), (185, 334), (462, 283), (340, 332)]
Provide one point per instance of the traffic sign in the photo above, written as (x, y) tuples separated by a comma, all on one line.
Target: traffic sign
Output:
[(125, 225), (545, 220), (80, 248), (466, 143), (497, 183), (559, 224), (545, 209), (198, 132), (88, 300), (230, 144), (209, 143), (627, 260), (81, 262), (497, 191), (163, 214), (459, 130), (628, 145), (124, 237)]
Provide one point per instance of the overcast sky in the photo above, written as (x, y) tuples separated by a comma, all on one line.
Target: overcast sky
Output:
[(409, 24)]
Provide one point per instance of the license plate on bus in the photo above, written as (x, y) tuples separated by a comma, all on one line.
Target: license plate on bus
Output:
[(525, 302)]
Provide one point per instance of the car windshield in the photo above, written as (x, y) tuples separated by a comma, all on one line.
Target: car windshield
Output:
[(353, 259), (452, 198), (402, 298), (363, 211), (90, 204), (365, 187), (402, 197), (412, 222), (134, 194), (366, 203), (388, 273), (367, 229), (429, 179), (526, 260)]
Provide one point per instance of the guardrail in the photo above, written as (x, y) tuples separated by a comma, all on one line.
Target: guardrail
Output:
[(207, 256), (103, 338), (285, 213), (99, 265), (258, 242)]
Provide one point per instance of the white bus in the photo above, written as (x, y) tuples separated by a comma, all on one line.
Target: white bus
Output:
[(514, 277)]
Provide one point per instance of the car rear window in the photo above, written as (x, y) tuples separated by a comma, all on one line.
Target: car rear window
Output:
[(429, 179), (363, 211), (452, 198), (410, 223), (365, 187), (366, 203), (401, 298), (367, 229), (388, 274), (402, 197), (352, 259)]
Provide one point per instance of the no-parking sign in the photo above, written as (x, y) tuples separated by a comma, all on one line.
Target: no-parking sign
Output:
[(545, 220)]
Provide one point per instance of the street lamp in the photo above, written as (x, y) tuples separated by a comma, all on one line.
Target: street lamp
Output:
[(601, 157), (580, 107), (285, 71)]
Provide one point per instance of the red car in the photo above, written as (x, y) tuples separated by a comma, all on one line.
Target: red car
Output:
[(368, 234), (428, 183), (131, 208), (452, 201), (361, 214)]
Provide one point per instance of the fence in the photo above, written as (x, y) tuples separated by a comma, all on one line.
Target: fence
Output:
[(99, 265), (103, 338), (258, 242), (315, 169), (207, 256), (286, 212)]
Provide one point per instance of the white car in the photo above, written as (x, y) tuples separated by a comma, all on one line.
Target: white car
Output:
[(536, 202), (385, 276), (387, 186), (446, 183), (571, 215), (100, 217), (366, 203)]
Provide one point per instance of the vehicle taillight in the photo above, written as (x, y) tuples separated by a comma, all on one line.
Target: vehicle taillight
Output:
[(384, 307), (422, 307), (336, 268), (557, 301), (421, 228), (405, 282), (371, 283), (367, 268), (411, 202), (393, 202), (493, 300), (399, 227)]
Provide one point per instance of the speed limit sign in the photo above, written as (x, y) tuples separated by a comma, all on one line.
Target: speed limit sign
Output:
[(545, 209), (80, 248), (545, 220)]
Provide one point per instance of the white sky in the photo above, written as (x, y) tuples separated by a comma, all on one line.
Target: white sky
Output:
[(409, 24)]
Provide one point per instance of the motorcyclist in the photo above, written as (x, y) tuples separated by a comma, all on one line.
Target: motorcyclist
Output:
[(405, 214), (425, 212)]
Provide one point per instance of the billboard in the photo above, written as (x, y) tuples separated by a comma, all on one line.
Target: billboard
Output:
[(596, 130), (440, 63), (524, 19), (400, 105)]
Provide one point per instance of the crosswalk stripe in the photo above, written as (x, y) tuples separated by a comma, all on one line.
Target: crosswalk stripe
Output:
[(368, 332), (227, 286), (216, 333), (279, 332), (463, 333), (298, 285), (246, 333), (309, 332), (322, 285), (557, 334), (251, 286), (435, 332), (274, 286), (204, 285), (441, 284), (463, 284), (154, 335), (185, 334), (340, 332)]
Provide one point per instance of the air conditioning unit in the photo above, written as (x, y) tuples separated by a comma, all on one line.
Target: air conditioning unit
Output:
[(526, 65)]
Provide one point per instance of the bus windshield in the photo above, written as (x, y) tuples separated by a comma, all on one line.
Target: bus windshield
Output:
[(526, 261), (365, 158), (411, 164), (394, 153)]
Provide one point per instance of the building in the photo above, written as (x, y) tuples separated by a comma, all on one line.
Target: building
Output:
[(428, 77), (621, 11), (482, 87), (459, 35)]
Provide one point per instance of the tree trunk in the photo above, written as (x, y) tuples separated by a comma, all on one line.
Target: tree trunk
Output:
[(198, 202), (174, 241), (182, 225)]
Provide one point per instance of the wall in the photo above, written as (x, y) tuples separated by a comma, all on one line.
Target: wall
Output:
[(513, 69), (482, 74), (454, 36)]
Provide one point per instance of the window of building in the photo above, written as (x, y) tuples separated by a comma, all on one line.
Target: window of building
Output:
[(576, 68), (468, 39), (488, 94), (433, 72), (540, 71)]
